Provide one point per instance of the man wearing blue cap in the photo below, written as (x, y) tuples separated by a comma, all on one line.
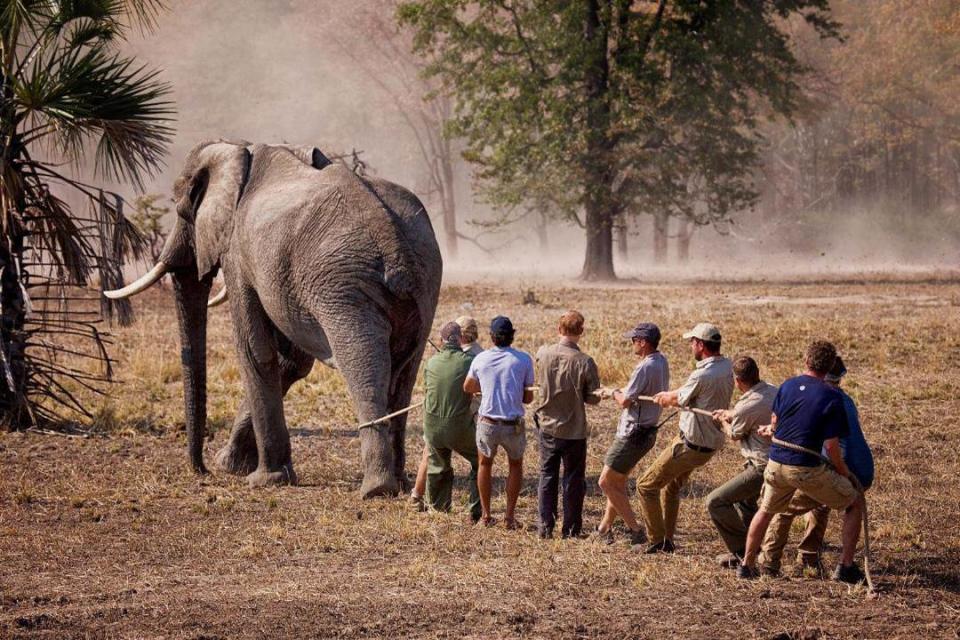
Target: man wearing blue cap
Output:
[(636, 431), (501, 374)]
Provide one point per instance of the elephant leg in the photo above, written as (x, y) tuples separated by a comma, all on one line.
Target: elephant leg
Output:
[(402, 389), (258, 353), (239, 456), (361, 347)]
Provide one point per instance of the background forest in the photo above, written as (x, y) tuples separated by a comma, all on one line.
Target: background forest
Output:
[(862, 170)]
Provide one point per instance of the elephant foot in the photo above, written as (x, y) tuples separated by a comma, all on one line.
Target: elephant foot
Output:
[(264, 478), (236, 461), (379, 485)]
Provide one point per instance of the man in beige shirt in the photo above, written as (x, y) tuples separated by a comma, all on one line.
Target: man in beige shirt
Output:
[(568, 379), (732, 505), (709, 387)]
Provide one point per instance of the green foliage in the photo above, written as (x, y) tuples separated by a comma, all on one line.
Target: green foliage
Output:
[(614, 106), (66, 92)]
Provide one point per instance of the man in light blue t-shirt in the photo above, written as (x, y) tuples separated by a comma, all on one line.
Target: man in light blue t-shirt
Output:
[(502, 375)]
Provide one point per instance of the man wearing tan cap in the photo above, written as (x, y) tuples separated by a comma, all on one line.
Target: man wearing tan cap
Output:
[(709, 387), (469, 335), (448, 424)]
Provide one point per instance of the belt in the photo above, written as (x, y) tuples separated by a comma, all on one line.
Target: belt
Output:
[(501, 423), (696, 447)]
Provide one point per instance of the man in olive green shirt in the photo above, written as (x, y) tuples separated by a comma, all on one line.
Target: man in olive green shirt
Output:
[(448, 424)]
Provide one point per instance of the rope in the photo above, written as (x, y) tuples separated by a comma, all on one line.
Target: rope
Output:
[(856, 485)]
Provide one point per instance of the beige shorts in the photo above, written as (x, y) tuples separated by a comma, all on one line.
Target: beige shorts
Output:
[(826, 486)]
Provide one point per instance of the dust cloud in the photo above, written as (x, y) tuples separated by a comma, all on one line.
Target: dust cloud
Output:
[(265, 72)]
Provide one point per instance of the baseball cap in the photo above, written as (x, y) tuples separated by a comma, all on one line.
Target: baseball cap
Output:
[(466, 323), (837, 371), (646, 331), (501, 325), (450, 333), (704, 331)]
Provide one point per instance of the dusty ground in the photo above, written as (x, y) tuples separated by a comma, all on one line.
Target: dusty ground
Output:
[(111, 536)]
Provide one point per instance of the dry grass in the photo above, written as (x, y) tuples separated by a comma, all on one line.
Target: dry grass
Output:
[(112, 537)]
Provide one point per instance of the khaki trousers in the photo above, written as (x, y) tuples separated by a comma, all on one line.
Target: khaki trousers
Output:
[(667, 475), (733, 504), (775, 540)]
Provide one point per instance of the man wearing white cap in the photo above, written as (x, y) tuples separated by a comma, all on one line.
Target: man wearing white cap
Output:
[(709, 387)]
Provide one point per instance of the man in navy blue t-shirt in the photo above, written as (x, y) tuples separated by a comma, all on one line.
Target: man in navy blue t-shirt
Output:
[(859, 460), (807, 413)]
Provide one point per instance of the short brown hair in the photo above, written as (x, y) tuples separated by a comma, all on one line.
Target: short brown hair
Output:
[(820, 356), (745, 369), (571, 323)]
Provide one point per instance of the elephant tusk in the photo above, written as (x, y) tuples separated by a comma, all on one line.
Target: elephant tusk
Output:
[(218, 299), (143, 283)]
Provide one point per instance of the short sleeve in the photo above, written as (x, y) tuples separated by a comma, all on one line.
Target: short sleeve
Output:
[(690, 389), (739, 425), (775, 409), (528, 378), (591, 378), (472, 371), (636, 384)]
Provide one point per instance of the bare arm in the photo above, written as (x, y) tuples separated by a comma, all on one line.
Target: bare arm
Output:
[(667, 398), (836, 457), (527, 395), (472, 386)]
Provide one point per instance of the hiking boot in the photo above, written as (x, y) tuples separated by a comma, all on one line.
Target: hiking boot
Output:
[(544, 533), (638, 537), (666, 546), (745, 572), (416, 503), (511, 524), (728, 560), (850, 574)]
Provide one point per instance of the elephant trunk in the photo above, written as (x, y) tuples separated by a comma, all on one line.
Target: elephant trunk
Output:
[(191, 298)]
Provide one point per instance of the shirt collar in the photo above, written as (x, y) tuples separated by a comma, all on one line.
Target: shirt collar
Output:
[(702, 363), (756, 388), (569, 343)]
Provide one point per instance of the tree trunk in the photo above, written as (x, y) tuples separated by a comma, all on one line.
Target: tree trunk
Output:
[(449, 208), (622, 237), (597, 168), (598, 263), (661, 222), (14, 409), (683, 240), (542, 236)]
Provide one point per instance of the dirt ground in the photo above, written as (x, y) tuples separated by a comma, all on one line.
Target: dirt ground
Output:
[(112, 537)]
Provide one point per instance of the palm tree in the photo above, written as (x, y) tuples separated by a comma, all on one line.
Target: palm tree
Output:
[(66, 92)]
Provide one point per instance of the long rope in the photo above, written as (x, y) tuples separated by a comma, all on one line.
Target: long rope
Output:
[(856, 485)]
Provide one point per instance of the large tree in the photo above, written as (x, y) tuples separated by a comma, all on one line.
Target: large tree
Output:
[(640, 106), (66, 91)]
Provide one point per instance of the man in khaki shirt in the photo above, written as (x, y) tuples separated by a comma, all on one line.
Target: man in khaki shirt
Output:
[(732, 505), (568, 379), (709, 387)]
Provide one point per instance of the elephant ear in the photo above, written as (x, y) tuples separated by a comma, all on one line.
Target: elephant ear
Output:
[(221, 173)]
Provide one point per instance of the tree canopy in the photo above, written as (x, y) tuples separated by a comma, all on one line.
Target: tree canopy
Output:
[(618, 106)]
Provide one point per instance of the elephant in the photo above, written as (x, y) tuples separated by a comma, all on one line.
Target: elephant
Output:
[(318, 264)]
